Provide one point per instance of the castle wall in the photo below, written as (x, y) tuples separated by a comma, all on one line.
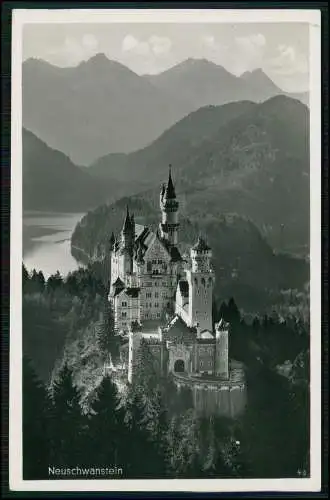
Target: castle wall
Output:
[(221, 399), (177, 352), (126, 310), (205, 358)]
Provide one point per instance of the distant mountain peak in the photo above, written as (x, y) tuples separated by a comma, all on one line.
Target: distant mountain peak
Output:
[(100, 57), (100, 63), (258, 78)]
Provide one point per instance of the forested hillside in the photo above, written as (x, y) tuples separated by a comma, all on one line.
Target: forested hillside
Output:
[(67, 415)]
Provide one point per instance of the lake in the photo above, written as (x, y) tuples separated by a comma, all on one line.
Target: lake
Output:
[(46, 242)]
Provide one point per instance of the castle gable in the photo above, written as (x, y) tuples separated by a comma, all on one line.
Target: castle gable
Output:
[(177, 331), (156, 250)]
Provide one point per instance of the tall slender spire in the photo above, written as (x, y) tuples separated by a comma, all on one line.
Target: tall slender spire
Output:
[(170, 191), (127, 223)]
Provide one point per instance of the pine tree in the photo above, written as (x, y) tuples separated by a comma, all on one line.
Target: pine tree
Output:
[(35, 425), (139, 437), (106, 337), (233, 311), (68, 426), (106, 427), (54, 282), (25, 278), (146, 375)]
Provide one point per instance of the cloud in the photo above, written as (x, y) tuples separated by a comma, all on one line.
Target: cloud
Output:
[(160, 45), (156, 45), (248, 52), (73, 50), (129, 43), (288, 61)]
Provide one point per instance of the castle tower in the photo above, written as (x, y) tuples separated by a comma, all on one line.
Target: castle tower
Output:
[(201, 281), (127, 240), (169, 208)]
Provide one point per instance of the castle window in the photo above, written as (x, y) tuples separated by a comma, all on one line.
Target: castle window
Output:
[(149, 266), (201, 364), (124, 314), (203, 281), (154, 261), (158, 315), (160, 261), (156, 295), (124, 304), (148, 295), (156, 304)]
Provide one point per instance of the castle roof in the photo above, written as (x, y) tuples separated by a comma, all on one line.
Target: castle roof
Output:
[(178, 331), (172, 251), (127, 222), (170, 191), (132, 292), (118, 283), (200, 245), (144, 240)]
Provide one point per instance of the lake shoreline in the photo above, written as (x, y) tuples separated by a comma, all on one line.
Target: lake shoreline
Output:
[(47, 242)]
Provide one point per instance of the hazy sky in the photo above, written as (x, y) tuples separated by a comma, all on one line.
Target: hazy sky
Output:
[(280, 49)]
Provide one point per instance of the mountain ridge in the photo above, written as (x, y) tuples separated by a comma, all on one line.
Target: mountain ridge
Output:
[(251, 154), (48, 172), (98, 106)]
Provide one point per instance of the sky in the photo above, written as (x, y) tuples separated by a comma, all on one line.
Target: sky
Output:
[(280, 49)]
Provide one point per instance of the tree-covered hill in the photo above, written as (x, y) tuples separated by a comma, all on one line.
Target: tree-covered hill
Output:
[(251, 159), (51, 182), (245, 264)]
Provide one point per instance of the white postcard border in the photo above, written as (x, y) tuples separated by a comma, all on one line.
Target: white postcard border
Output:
[(23, 16)]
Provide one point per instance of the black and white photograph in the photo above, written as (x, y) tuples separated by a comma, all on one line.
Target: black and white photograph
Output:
[(165, 279)]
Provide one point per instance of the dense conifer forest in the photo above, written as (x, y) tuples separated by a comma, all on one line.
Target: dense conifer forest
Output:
[(75, 416)]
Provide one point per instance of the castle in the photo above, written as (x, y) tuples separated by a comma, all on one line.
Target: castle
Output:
[(159, 297)]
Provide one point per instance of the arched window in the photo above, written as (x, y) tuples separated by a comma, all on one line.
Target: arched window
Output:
[(203, 281)]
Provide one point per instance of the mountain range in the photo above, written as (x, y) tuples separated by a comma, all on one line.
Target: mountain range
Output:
[(242, 157), (101, 106)]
